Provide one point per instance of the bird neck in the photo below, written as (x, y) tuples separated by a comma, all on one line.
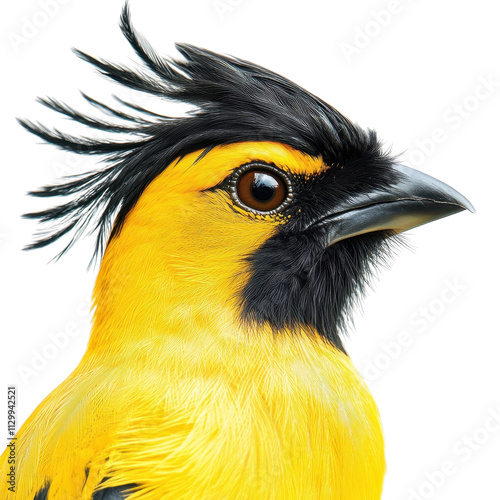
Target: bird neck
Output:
[(145, 295)]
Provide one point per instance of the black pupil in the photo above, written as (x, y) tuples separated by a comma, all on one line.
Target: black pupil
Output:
[(264, 187)]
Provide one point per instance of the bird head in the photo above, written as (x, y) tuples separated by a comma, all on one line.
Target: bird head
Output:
[(264, 204)]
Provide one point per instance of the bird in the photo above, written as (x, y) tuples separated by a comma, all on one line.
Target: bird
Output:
[(233, 243)]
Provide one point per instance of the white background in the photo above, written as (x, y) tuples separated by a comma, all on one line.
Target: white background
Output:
[(412, 67)]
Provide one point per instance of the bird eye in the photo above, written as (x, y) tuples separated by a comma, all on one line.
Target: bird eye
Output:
[(261, 189)]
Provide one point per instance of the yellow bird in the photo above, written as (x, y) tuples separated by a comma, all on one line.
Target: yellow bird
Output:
[(235, 240)]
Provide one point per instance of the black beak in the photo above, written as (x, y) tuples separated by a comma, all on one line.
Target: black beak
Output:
[(415, 199)]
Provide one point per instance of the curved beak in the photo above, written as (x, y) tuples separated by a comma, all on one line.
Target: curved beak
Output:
[(415, 199)]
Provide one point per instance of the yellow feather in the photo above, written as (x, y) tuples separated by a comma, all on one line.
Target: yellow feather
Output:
[(174, 394)]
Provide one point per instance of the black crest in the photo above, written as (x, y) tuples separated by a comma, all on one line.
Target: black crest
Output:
[(233, 101)]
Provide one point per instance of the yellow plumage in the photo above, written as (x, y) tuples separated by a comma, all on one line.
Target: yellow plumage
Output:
[(172, 388), (236, 240)]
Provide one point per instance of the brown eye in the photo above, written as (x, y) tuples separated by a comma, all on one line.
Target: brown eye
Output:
[(262, 190)]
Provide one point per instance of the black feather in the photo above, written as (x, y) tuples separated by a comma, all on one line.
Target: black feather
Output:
[(42, 493), (116, 493), (296, 278), (296, 282), (233, 101)]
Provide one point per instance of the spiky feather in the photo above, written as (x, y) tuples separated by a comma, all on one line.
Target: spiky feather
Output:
[(233, 101)]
